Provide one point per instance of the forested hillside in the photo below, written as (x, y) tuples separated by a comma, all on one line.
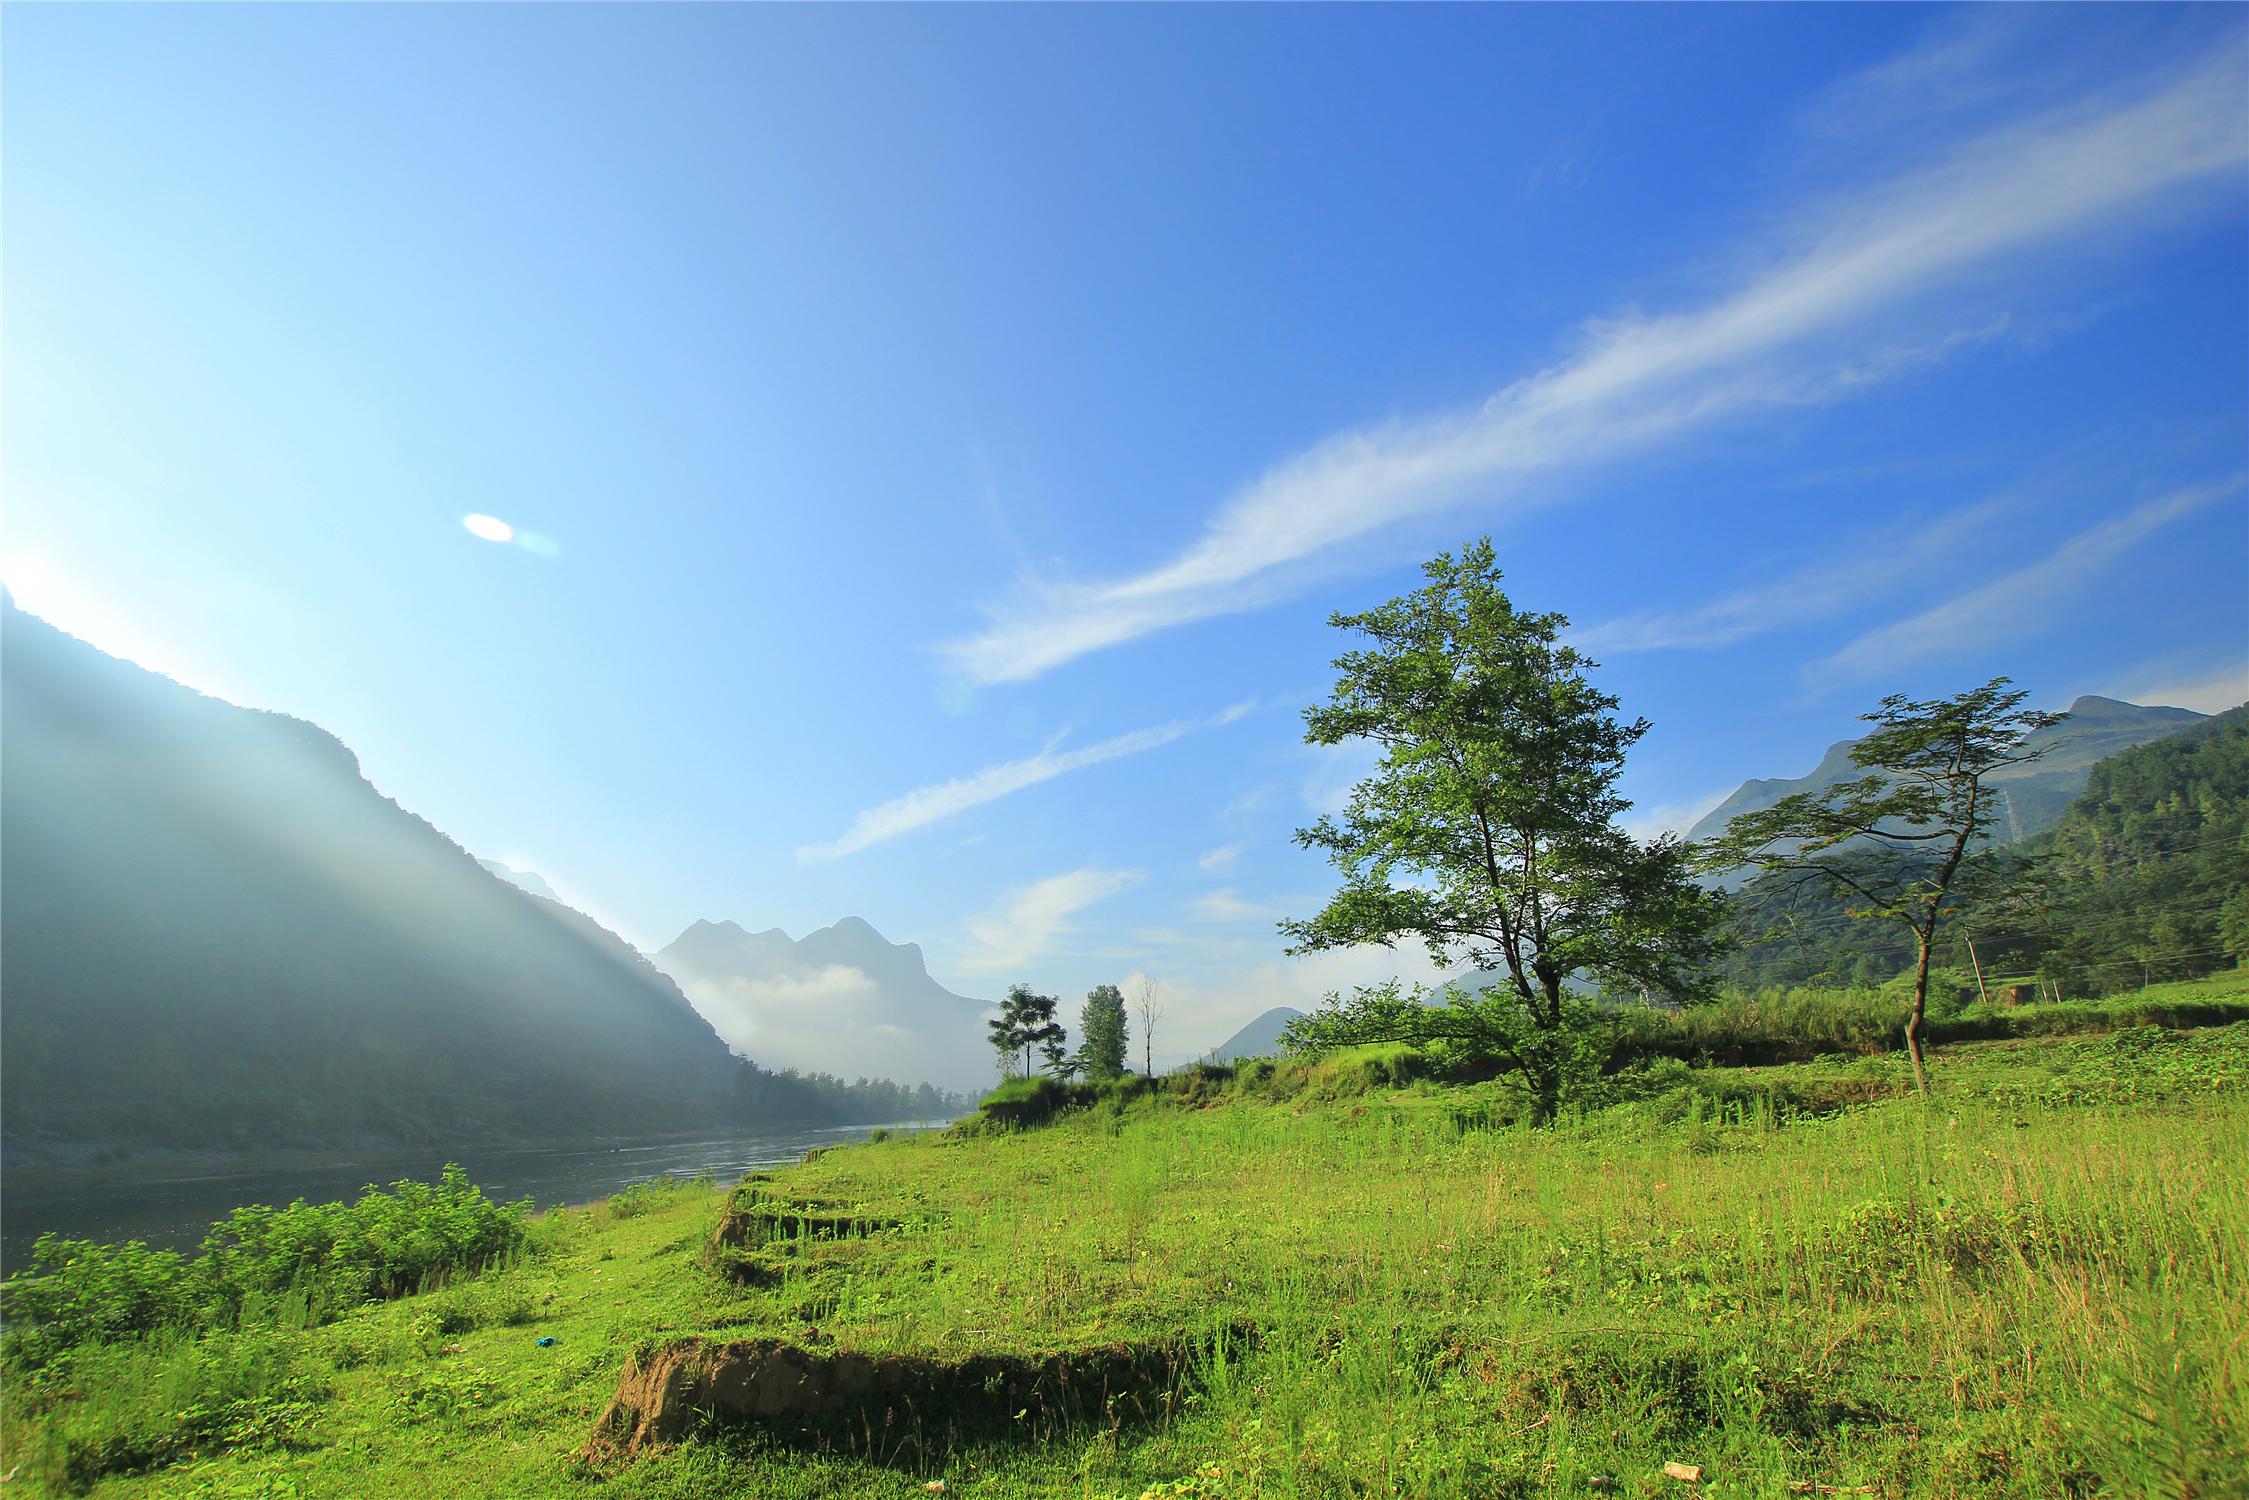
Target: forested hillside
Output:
[(2149, 870), (2144, 878)]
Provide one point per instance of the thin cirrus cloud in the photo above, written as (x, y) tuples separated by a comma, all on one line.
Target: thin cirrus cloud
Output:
[(1873, 566), (2011, 606), (1642, 379), (930, 804), (2212, 690), (1221, 857), (1032, 919)]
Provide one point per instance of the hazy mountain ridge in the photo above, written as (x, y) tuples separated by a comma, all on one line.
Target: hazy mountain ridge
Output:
[(842, 999), (1261, 1037), (2037, 793), (522, 880), (220, 935)]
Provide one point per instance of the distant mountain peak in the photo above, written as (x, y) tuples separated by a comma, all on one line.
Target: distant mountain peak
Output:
[(842, 999), (526, 880)]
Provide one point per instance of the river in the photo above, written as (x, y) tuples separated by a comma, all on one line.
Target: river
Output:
[(174, 1212)]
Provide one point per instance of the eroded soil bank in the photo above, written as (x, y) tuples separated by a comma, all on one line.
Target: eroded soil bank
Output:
[(677, 1390)]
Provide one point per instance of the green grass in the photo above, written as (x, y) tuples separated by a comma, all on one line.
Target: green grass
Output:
[(2036, 1284)]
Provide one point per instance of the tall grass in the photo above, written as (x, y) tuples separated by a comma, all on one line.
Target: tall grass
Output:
[(2036, 1284)]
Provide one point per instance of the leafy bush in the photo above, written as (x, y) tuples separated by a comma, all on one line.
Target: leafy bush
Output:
[(385, 1245), (77, 1291), (285, 1267), (1021, 1102)]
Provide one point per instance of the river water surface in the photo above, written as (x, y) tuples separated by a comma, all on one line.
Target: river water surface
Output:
[(175, 1212)]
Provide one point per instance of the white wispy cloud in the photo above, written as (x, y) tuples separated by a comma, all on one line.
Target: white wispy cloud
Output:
[(2211, 691), (1221, 857), (1225, 905), (930, 804), (2009, 606), (1873, 566), (1640, 379), (1027, 925)]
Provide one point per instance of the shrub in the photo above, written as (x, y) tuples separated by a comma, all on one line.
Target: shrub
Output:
[(1021, 1102), (276, 1267), (385, 1245), (77, 1291)]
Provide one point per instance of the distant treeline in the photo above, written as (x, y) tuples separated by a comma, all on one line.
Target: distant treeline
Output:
[(2144, 880), (866, 1101)]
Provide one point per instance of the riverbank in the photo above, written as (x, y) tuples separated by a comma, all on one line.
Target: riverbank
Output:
[(1781, 1280), (171, 1201)]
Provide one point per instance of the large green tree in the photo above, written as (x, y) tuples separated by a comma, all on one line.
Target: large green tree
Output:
[(1026, 1021), (1487, 830), (1910, 841), (1101, 1033)]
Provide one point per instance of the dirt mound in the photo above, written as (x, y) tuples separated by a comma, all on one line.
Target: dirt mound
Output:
[(670, 1393)]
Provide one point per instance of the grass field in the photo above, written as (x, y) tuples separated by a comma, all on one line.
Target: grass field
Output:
[(1794, 1279)]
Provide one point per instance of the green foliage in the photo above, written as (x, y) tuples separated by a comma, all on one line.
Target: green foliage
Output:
[(1488, 828), (77, 1291), (1021, 1102), (1912, 838), (1553, 1055), (284, 1267), (385, 1245), (139, 1403), (1026, 1020), (1741, 1269), (1101, 1033), (2145, 878), (2149, 870), (861, 1101)]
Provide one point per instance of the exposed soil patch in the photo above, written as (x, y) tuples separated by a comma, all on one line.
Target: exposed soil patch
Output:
[(677, 1390)]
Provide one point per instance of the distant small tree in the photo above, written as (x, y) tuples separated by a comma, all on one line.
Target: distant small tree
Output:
[(1488, 831), (1148, 1000), (1061, 1062), (1101, 1033), (1910, 841), (1026, 1020)]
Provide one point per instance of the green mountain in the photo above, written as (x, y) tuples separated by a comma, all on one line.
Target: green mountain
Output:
[(2036, 793), (220, 936), (2143, 878), (2150, 868), (1260, 1038)]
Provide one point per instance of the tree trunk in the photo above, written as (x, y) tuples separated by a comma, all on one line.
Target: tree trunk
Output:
[(1548, 1089), (1546, 1083), (1913, 1020)]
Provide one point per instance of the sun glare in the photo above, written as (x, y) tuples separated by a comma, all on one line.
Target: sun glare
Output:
[(491, 528)]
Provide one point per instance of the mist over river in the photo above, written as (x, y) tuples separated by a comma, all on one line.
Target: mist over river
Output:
[(175, 1211)]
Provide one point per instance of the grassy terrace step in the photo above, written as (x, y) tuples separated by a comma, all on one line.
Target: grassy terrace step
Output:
[(2037, 1284)]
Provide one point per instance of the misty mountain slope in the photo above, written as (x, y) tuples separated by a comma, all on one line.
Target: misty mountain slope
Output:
[(842, 1000), (2037, 793), (1260, 1038), (219, 934)]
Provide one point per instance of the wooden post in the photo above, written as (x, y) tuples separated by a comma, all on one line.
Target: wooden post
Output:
[(1980, 994)]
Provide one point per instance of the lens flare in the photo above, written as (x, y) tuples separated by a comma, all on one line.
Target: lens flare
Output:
[(491, 528)]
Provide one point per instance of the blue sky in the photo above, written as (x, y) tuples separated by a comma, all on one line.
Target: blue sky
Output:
[(942, 433)]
